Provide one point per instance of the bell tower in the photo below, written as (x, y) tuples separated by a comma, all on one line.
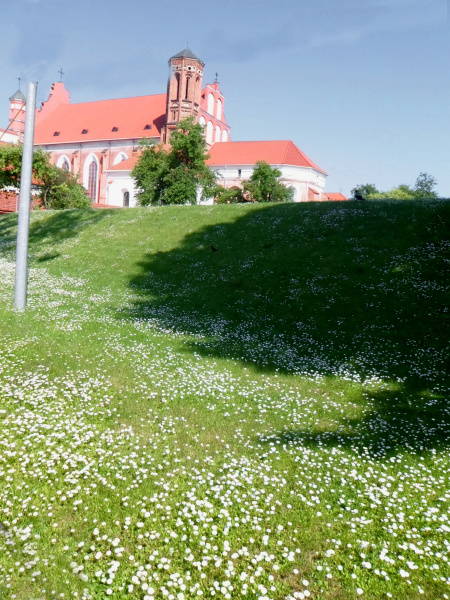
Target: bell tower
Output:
[(184, 90)]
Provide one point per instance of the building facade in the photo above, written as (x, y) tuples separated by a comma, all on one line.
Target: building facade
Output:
[(99, 141)]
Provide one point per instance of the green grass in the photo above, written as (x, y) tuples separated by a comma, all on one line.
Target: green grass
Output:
[(247, 400)]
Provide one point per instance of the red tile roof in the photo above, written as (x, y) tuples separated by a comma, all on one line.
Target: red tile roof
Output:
[(248, 153), (335, 196), (128, 115)]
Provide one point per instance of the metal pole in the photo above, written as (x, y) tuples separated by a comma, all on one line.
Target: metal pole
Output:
[(20, 289)]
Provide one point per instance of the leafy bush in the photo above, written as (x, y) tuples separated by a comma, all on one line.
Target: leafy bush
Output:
[(61, 190), (229, 196), (58, 189)]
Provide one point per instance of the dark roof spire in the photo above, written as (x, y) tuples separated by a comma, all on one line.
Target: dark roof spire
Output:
[(18, 96), (186, 53)]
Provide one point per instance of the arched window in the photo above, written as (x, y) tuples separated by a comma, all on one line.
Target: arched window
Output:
[(63, 163), (90, 176), (177, 78), (202, 121), (188, 79), (217, 136), (92, 181), (224, 135), (211, 104), (209, 132), (219, 109), (126, 198)]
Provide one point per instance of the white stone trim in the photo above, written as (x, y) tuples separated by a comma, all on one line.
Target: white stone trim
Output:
[(211, 104), (61, 160), (209, 132), (119, 158)]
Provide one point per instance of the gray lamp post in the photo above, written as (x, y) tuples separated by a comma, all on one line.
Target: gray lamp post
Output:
[(20, 288)]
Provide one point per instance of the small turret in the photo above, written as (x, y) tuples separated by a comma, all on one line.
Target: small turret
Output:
[(17, 114)]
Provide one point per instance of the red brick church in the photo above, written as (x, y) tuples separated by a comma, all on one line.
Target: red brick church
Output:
[(99, 140)]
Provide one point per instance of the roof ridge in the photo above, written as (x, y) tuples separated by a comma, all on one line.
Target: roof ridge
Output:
[(311, 163), (254, 142), (289, 142), (114, 99), (275, 152)]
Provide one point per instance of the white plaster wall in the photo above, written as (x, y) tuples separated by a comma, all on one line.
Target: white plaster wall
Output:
[(118, 183), (299, 178), (206, 201), (95, 146), (11, 138)]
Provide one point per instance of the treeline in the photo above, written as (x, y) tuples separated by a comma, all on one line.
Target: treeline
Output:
[(424, 188)]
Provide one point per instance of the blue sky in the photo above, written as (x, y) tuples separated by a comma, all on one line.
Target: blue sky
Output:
[(361, 86)]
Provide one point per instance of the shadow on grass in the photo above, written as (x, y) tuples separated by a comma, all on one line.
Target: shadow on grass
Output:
[(55, 227), (45, 258), (48, 229), (8, 228), (405, 420), (329, 288)]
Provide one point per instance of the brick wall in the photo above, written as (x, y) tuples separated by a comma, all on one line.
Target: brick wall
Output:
[(9, 202)]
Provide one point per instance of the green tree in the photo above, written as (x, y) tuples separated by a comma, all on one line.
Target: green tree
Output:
[(402, 192), (175, 175), (368, 190), (424, 186), (265, 186), (58, 189), (11, 165)]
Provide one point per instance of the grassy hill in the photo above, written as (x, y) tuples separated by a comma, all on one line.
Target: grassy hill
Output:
[(225, 401)]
